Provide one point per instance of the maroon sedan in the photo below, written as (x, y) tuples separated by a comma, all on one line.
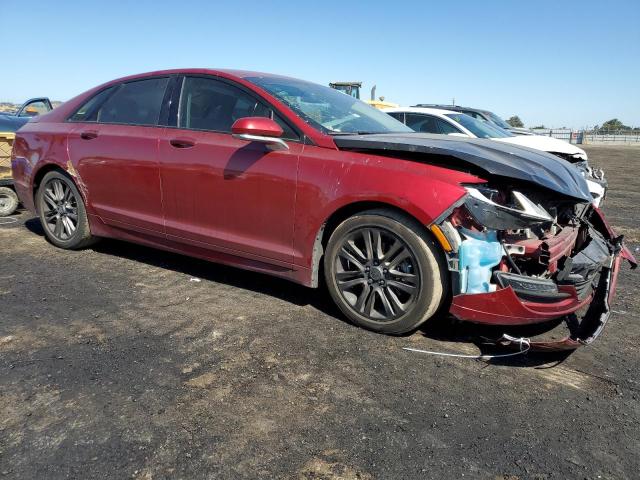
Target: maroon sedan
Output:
[(300, 181)]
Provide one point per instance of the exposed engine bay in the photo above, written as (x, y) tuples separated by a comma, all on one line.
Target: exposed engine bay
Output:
[(536, 255), (508, 238)]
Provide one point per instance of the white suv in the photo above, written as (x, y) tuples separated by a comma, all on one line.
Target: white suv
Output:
[(448, 122)]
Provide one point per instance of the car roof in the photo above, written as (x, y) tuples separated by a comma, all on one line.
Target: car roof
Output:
[(225, 72), (433, 111), (456, 108), (448, 107)]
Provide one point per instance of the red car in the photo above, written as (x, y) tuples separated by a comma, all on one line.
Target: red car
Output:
[(300, 181)]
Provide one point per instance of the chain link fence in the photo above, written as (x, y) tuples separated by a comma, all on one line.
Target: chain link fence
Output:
[(600, 136)]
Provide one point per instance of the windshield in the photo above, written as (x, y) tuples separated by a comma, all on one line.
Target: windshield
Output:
[(478, 128), (497, 120), (329, 110)]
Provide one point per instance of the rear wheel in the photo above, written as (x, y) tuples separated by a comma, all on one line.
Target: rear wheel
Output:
[(8, 201), (384, 271), (62, 212)]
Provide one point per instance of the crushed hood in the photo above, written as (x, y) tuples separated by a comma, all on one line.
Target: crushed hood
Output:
[(544, 143), (495, 158)]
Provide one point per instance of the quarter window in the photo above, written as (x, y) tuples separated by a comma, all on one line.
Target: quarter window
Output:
[(135, 103), (86, 111), (212, 105)]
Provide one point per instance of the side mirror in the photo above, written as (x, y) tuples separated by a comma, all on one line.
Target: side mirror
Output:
[(259, 129)]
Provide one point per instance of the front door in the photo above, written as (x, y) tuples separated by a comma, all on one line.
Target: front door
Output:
[(221, 192)]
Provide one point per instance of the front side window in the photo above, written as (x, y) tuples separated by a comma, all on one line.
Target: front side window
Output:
[(328, 110), (213, 105), (34, 109), (135, 103), (498, 121)]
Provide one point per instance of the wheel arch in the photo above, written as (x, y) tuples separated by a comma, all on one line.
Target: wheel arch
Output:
[(341, 214), (42, 171), (51, 167)]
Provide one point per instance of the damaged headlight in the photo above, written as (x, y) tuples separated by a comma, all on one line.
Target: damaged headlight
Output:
[(482, 204)]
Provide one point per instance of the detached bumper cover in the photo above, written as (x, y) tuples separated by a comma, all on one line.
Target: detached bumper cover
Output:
[(504, 307)]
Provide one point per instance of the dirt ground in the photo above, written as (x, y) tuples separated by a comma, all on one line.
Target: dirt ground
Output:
[(125, 362)]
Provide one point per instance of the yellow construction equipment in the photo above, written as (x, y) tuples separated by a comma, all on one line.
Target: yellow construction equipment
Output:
[(353, 89)]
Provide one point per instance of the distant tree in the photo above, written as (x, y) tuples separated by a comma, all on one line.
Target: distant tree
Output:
[(539, 127), (515, 122), (614, 124)]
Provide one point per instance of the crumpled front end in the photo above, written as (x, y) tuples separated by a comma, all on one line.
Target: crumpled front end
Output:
[(594, 177), (518, 257)]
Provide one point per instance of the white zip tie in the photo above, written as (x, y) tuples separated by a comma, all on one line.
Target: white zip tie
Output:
[(522, 342)]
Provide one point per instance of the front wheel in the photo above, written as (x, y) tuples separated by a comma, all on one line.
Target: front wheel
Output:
[(385, 272), (62, 212)]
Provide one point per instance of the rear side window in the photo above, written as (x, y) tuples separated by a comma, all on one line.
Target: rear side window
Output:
[(135, 103), (397, 115), (209, 104), (86, 113)]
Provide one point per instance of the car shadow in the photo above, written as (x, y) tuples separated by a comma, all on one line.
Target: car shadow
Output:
[(242, 159), (212, 272), (441, 327)]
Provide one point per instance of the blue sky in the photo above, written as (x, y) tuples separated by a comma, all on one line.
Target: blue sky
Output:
[(569, 63)]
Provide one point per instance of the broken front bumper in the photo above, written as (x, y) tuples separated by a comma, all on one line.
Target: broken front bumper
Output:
[(505, 307)]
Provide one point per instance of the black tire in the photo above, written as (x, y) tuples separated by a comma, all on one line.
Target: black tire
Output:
[(56, 206), (405, 307), (8, 201)]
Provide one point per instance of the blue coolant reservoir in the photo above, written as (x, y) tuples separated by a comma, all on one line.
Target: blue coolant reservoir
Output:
[(479, 253)]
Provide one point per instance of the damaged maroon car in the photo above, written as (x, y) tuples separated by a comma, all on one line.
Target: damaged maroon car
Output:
[(297, 180)]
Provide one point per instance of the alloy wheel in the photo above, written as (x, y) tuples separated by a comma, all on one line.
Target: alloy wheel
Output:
[(60, 209), (377, 274)]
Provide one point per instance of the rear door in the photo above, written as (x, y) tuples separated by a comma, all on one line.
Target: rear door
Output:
[(222, 192), (114, 149)]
